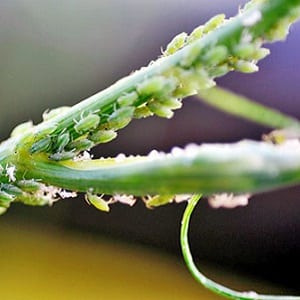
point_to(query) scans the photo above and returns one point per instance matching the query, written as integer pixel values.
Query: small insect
(213, 23)
(176, 43)
(50, 114)
(62, 141)
(80, 145)
(160, 110)
(245, 66)
(87, 123)
(5, 199)
(120, 117)
(216, 55)
(65, 155)
(128, 99)
(29, 185)
(11, 189)
(43, 145)
(97, 201)
(156, 86)
(170, 102)
(103, 136)
(22, 128)
(142, 112)
(158, 200)
(196, 34)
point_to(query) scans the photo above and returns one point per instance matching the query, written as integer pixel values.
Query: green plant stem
(201, 278)
(228, 35)
(247, 109)
(246, 166)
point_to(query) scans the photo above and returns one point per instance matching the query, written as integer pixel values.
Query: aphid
(43, 145)
(128, 99)
(196, 34)
(11, 189)
(219, 71)
(87, 123)
(142, 112)
(120, 117)
(245, 66)
(22, 128)
(65, 155)
(5, 199)
(97, 201)
(62, 141)
(244, 50)
(216, 55)
(32, 199)
(103, 136)
(171, 102)
(156, 86)
(213, 23)
(176, 43)
(80, 145)
(190, 56)
(261, 53)
(49, 114)
(159, 200)
(29, 185)
(160, 110)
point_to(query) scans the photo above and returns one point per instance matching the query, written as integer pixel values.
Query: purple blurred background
(57, 53)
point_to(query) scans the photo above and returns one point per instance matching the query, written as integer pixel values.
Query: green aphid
(159, 200)
(11, 189)
(245, 66)
(50, 114)
(128, 99)
(160, 109)
(62, 141)
(171, 102)
(219, 71)
(87, 123)
(29, 185)
(142, 112)
(191, 56)
(31, 199)
(177, 42)
(120, 117)
(43, 145)
(80, 145)
(97, 201)
(216, 55)
(103, 136)
(65, 155)
(244, 51)
(196, 34)
(156, 86)
(22, 128)
(5, 199)
(213, 23)
(260, 53)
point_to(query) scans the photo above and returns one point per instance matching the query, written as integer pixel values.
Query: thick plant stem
(201, 278)
(246, 166)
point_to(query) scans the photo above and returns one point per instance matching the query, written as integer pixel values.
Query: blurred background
(55, 53)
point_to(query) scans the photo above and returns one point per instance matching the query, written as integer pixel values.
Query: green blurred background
(55, 53)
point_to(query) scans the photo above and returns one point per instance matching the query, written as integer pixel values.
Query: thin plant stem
(201, 278)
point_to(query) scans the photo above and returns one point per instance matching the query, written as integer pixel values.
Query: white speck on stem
(10, 170)
(120, 158)
(228, 200)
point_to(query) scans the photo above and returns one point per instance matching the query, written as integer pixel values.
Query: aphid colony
(159, 94)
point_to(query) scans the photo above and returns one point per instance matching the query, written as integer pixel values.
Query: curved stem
(201, 278)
